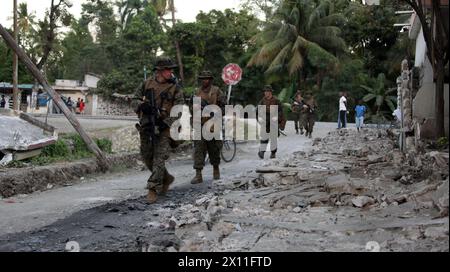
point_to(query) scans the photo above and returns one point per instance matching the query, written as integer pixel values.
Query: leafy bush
(58, 149)
(104, 144)
(15, 164)
(442, 143)
(80, 148)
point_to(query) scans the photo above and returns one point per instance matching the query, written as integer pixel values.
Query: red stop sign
(232, 74)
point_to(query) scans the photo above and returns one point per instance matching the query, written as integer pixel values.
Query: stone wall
(42, 178)
(125, 140)
(115, 106)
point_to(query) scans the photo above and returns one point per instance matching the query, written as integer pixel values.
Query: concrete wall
(91, 81)
(424, 101)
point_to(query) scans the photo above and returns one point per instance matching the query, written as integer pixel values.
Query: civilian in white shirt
(342, 121)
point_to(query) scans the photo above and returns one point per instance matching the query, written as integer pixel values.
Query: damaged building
(22, 136)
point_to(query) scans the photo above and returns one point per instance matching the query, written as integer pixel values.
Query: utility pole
(16, 93)
(177, 44)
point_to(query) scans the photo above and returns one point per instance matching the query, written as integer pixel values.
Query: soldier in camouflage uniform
(270, 100)
(296, 108)
(167, 93)
(210, 95)
(309, 112)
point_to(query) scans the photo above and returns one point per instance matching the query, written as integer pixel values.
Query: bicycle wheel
(228, 150)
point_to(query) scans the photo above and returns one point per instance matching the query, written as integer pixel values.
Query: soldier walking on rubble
(158, 94)
(210, 95)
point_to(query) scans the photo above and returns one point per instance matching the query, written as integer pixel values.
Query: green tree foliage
(322, 46)
(301, 32)
(380, 95)
(134, 48)
(216, 39)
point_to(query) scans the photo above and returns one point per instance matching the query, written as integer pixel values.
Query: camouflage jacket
(166, 96)
(273, 102)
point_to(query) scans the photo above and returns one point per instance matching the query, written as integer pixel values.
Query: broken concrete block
(270, 179)
(201, 201)
(224, 229)
(297, 209)
(437, 232)
(440, 158)
(441, 198)
(362, 201)
(372, 159)
(392, 173)
(339, 184)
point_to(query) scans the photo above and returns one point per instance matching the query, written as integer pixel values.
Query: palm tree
(380, 94)
(300, 30)
(128, 9)
(25, 20)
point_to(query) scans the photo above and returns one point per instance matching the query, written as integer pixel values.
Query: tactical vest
(210, 97)
(164, 94)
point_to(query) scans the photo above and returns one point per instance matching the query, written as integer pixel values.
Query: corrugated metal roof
(6, 85)
(18, 134)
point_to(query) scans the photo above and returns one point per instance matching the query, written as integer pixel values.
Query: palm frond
(319, 12)
(370, 90)
(369, 97)
(334, 19)
(296, 62)
(390, 104)
(279, 60)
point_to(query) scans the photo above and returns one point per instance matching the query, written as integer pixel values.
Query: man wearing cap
(166, 93)
(270, 100)
(210, 95)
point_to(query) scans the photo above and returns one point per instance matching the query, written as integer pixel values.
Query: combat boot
(168, 180)
(198, 177)
(152, 196)
(261, 155)
(216, 173)
(296, 132)
(273, 155)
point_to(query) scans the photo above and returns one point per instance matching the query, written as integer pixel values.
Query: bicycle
(228, 151)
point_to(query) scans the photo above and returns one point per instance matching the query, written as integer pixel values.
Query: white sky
(186, 9)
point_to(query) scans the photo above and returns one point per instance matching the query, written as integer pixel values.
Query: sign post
(231, 75)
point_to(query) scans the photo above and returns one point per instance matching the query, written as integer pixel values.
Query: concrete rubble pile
(350, 190)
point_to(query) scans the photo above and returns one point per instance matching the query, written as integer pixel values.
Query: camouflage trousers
(203, 147)
(309, 119)
(155, 158)
(270, 140)
(298, 121)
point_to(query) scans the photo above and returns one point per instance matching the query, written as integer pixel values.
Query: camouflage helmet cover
(162, 63)
(206, 75)
(268, 88)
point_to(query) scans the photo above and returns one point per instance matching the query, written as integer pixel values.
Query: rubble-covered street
(347, 191)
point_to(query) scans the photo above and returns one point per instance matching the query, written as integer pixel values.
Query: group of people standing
(360, 111)
(76, 107)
